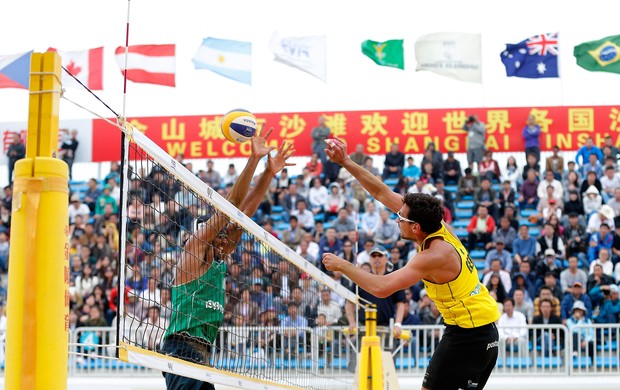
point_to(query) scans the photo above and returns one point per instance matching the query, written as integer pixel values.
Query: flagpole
(126, 56)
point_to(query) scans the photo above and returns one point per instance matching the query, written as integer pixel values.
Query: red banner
(200, 136)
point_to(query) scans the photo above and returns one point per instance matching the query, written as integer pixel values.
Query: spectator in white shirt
(364, 256)
(614, 202)
(329, 308)
(304, 216)
(512, 326)
(231, 175)
(317, 196)
(369, 221)
(152, 330)
(610, 182)
(78, 208)
(312, 247)
(604, 261)
(558, 189)
(496, 267)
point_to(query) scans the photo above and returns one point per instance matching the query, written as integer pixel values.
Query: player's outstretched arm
(259, 150)
(254, 198)
(380, 286)
(378, 189)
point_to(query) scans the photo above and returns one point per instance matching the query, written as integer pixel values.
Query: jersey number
(470, 264)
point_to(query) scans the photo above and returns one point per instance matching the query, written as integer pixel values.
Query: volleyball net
(206, 292)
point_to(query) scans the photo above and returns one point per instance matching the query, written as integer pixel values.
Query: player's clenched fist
(333, 262)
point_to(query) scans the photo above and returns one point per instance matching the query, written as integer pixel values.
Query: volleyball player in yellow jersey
(468, 349)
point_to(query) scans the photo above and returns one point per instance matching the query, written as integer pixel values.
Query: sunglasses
(403, 219)
(376, 255)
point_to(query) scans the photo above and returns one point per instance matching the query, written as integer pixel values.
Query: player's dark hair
(426, 210)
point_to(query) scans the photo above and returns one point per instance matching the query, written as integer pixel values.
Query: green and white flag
(599, 56)
(388, 53)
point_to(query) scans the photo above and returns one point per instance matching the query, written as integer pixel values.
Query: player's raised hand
(259, 142)
(336, 150)
(276, 163)
(333, 262)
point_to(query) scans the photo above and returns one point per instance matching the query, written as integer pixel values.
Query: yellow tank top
(465, 301)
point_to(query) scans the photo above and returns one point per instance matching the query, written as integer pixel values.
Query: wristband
(398, 324)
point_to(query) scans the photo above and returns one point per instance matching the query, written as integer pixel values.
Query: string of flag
(453, 55)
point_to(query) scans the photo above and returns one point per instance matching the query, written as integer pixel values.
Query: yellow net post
(37, 309)
(371, 366)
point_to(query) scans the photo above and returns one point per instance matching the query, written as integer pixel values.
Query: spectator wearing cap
(583, 336)
(104, 199)
(596, 281)
(549, 263)
(480, 228)
(467, 185)
(592, 200)
(505, 233)
(610, 308)
(524, 246)
(569, 300)
(391, 307)
(550, 239)
(520, 281)
(601, 239)
(572, 274)
(78, 208)
(451, 169)
(576, 238)
(499, 252)
(605, 215)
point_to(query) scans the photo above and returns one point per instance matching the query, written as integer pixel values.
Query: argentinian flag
(232, 59)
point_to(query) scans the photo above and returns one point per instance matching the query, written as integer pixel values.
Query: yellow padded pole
(37, 311)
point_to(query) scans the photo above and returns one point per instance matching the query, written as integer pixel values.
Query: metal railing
(281, 353)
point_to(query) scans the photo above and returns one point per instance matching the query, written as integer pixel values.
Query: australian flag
(533, 58)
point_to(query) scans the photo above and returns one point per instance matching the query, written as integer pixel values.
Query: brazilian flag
(388, 53)
(599, 56)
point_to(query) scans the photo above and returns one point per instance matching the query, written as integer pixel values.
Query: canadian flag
(85, 65)
(151, 64)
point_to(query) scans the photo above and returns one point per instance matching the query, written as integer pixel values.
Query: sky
(354, 82)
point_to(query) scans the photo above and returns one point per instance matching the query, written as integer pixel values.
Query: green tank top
(198, 306)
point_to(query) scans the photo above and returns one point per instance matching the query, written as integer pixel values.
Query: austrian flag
(85, 65)
(151, 64)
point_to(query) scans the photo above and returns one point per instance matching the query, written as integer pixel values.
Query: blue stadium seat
(467, 197)
(480, 264)
(515, 362)
(452, 188)
(285, 363)
(478, 254)
(423, 363)
(408, 362)
(461, 233)
(282, 226)
(534, 232)
(340, 363)
(277, 209)
(465, 204)
(606, 361)
(276, 217)
(582, 362)
(319, 217)
(460, 223)
(549, 362)
(608, 346)
(391, 181)
(527, 222)
(527, 212)
(464, 213)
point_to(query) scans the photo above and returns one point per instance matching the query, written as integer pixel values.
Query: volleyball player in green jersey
(198, 290)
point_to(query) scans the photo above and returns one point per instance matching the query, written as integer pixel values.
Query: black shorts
(463, 359)
(179, 347)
